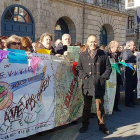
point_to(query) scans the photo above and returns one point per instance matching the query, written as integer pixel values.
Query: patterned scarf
(92, 53)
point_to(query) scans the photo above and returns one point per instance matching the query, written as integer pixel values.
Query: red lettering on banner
(7, 66)
(2, 75)
(74, 85)
(14, 113)
(10, 73)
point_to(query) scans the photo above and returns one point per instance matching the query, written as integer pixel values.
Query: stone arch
(70, 25)
(110, 32)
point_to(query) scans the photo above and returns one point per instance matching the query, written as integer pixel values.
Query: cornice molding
(93, 7)
(70, 2)
(106, 10)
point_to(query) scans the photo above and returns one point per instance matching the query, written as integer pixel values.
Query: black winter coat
(128, 56)
(94, 72)
(60, 49)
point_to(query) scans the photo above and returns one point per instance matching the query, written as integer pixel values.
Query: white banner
(31, 102)
(138, 75)
(27, 99)
(110, 92)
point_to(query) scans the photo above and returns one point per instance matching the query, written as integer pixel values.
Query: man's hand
(66, 53)
(135, 53)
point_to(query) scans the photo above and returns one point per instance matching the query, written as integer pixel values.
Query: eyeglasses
(15, 43)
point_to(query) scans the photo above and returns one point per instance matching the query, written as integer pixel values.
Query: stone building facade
(133, 26)
(79, 18)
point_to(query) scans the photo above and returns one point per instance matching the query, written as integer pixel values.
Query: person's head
(14, 42)
(29, 39)
(120, 48)
(92, 42)
(33, 45)
(78, 44)
(130, 45)
(46, 40)
(113, 46)
(3, 41)
(83, 48)
(25, 42)
(102, 47)
(66, 39)
(57, 42)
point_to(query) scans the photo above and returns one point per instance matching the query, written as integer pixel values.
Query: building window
(130, 3)
(17, 19)
(131, 22)
(61, 28)
(111, 3)
(17, 14)
(103, 36)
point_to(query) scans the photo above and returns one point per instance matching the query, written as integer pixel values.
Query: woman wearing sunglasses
(13, 42)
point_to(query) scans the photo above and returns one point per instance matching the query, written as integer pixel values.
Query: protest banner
(138, 75)
(73, 53)
(69, 101)
(27, 99)
(39, 96)
(110, 92)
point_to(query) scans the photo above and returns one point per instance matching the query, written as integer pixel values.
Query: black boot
(104, 130)
(117, 109)
(83, 129)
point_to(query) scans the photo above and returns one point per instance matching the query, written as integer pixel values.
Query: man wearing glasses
(94, 69)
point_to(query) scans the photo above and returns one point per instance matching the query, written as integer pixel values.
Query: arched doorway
(103, 36)
(17, 19)
(61, 28)
(65, 25)
(106, 34)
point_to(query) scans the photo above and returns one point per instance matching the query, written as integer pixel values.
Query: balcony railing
(109, 4)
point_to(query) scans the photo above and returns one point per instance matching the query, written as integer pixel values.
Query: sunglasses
(15, 43)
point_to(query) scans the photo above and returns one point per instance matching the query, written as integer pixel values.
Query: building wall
(82, 19)
(113, 22)
(130, 34)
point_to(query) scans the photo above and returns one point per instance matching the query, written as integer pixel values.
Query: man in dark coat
(116, 56)
(129, 57)
(94, 69)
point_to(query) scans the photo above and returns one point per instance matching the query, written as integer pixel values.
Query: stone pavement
(123, 125)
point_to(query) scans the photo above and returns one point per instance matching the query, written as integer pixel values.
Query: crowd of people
(93, 68)
(44, 42)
